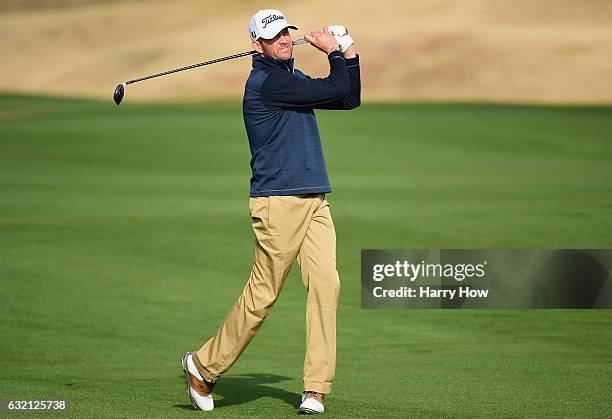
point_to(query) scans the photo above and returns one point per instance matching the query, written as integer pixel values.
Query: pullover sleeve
(353, 98)
(282, 88)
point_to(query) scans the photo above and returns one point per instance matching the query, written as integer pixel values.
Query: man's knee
(256, 311)
(259, 298)
(324, 280)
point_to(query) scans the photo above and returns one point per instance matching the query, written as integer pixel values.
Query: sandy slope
(539, 50)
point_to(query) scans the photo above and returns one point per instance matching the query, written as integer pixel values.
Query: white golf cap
(267, 24)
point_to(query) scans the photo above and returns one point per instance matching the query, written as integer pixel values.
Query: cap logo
(269, 19)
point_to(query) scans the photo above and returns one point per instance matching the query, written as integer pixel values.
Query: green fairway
(125, 238)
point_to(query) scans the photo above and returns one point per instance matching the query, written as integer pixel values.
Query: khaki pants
(286, 228)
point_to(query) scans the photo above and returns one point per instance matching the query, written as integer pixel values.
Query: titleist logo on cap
(267, 24)
(269, 19)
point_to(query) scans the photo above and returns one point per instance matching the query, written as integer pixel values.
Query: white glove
(342, 37)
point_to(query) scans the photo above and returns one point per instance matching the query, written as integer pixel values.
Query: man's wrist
(351, 52)
(335, 49)
(335, 53)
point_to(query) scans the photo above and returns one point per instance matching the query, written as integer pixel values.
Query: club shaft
(216, 60)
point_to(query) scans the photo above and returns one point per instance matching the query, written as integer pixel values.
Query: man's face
(278, 48)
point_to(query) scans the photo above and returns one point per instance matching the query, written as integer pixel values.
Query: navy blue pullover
(278, 110)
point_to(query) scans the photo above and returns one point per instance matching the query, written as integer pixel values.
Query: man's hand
(322, 40)
(342, 36)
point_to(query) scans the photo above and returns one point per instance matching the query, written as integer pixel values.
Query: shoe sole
(186, 372)
(305, 411)
(184, 362)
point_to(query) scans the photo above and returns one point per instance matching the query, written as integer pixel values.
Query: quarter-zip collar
(260, 61)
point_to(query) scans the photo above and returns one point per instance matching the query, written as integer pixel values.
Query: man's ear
(257, 47)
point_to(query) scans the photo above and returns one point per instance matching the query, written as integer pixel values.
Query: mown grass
(125, 238)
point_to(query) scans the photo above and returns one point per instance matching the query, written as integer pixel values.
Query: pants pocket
(259, 208)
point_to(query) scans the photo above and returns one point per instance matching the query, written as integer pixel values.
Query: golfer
(289, 211)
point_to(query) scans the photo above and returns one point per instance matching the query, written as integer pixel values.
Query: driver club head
(118, 95)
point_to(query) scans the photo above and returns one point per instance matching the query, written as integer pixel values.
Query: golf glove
(342, 37)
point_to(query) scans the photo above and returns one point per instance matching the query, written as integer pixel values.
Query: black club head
(118, 95)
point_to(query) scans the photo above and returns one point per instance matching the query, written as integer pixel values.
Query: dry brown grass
(539, 50)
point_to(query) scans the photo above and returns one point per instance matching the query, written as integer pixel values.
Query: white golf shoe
(312, 403)
(198, 389)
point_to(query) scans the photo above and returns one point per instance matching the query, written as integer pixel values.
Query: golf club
(120, 89)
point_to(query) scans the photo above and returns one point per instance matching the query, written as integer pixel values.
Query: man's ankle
(314, 395)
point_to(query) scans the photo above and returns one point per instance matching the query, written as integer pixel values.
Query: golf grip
(216, 60)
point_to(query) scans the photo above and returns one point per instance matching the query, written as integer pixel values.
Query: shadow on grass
(240, 389)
